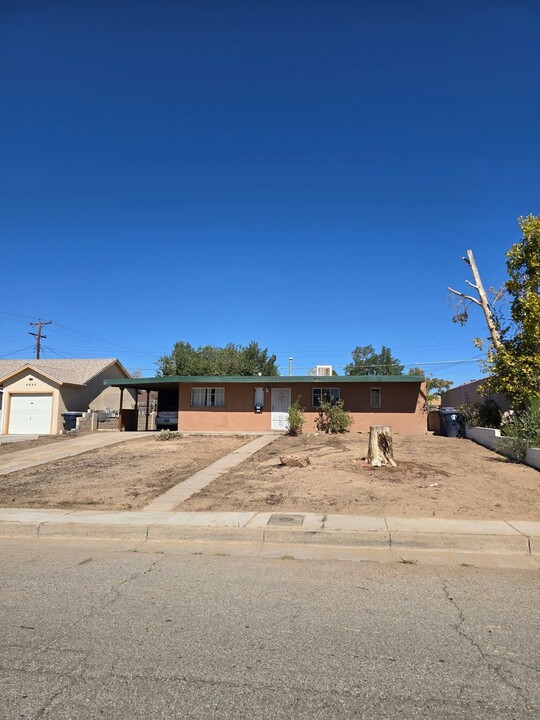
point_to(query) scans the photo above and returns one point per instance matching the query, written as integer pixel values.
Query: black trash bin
(70, 420)
(452, 423)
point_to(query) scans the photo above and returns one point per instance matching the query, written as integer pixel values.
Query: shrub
(333, 418)
(515, 447)
(296, 418)
(522, 431)
(167, 435)
(482, 414)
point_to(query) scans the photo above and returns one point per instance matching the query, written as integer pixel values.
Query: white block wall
(533, 458)
(488, 437)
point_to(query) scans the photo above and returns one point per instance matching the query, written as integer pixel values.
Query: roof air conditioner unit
(323, 370)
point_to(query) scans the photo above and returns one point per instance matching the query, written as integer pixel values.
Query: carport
(127, 418)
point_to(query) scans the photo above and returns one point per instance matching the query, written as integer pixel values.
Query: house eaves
(156, 382)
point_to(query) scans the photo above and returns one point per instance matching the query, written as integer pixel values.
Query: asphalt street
(105, 630)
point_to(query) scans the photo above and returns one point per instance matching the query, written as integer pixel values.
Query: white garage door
(30, 415)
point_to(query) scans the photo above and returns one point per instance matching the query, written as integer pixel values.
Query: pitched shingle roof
(70, 371)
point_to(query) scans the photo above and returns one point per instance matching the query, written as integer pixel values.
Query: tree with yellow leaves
(514, 367)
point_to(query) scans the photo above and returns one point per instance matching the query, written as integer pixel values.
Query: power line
(105, 342)
(23, 318)
(17, 351)
(50, 349)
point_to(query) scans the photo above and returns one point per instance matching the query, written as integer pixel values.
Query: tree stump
(380, 448)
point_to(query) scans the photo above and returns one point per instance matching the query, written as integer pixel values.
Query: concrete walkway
(8, 439)
(479, 543)
(185, 489)
(23, 459)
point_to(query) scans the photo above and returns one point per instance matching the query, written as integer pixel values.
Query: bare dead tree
(481, 300)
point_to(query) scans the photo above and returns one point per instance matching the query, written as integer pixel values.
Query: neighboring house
(37, 392)
(261, 404)
(467, 394)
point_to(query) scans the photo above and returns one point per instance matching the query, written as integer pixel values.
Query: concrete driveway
(56, 451)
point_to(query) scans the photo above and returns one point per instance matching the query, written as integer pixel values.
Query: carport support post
(136, 410)
(120, 410)
(147, 409)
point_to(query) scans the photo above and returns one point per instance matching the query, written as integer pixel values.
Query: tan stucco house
(260, 404)
(35, 393)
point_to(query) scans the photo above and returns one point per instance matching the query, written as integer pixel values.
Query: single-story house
(255, 403)
(35, 393)
(467, 394)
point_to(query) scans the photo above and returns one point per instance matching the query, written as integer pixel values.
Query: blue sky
(304, 174)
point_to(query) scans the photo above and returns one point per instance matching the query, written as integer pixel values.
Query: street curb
(364, 539)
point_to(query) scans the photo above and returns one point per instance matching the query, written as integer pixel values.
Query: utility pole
(290, 366)
(38, 335)
(482, 300)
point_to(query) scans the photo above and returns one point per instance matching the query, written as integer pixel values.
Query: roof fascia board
(35, 370)
(265, 380)
(115, 361)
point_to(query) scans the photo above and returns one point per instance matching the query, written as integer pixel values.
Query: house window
(375, 398)
(330, 395)
(207, 397)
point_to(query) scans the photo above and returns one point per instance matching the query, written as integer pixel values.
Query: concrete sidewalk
(489, 543)
(22, 459)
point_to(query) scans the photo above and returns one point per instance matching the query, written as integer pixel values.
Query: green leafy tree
(435, 386)
(368, 362)
(211, 360)
(514, 367)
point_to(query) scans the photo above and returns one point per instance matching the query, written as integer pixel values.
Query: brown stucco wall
(403, 407)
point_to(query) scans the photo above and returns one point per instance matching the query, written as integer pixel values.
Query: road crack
(112, 596)
(496, 668)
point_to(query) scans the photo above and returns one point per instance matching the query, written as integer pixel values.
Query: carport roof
(156, 383)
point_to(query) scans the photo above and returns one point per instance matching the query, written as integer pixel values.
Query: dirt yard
(436, 477)
(119, 477)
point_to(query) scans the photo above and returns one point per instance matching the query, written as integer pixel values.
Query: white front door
(281, 401)
(30, 414)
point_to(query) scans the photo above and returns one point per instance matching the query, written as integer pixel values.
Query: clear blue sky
(305, 174)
